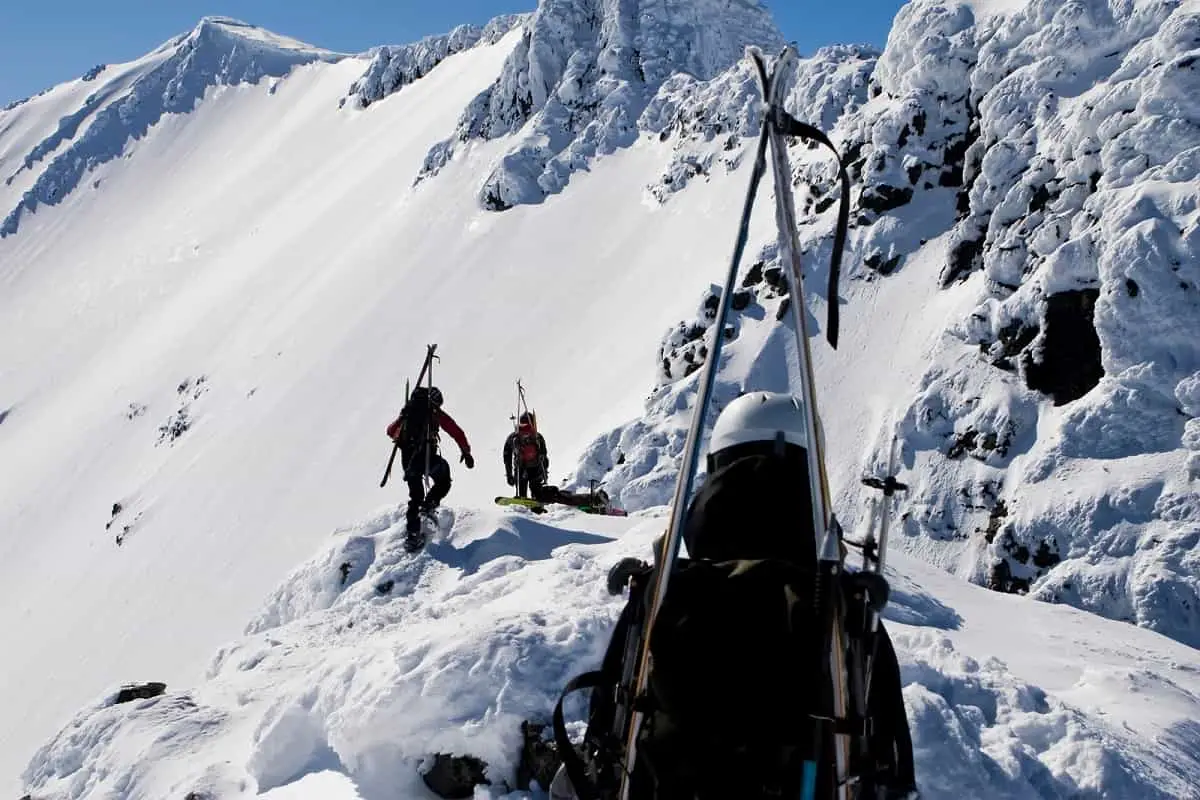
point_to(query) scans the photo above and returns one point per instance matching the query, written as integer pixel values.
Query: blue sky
(46, 42)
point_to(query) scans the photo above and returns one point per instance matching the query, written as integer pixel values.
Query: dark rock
(1037, 202)
(962, 444)
(1014, 337)
(139, 691)
(883, 198)
(775, 278)
(344, 569)
(914, 173)
(1001, 579)
(711, 303)
(1131, 287)
(740, 300)
(962, 202)
(950, 177)
(995, 520)
(754, 274)
(385, 586)
(884, 266)
(1044, 558)
(1066, 362)
(823, 205)
(783, 308)
(919, 123)
(455, 777)
(965, 258)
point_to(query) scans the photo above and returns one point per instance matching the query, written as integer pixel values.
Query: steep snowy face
(1037, 165)
(394, 67)
(129, 99)
(1072, 421)
(578, 82)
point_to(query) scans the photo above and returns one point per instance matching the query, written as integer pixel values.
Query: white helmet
(760, 417)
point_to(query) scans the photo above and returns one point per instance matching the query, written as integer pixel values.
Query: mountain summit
(124, 101)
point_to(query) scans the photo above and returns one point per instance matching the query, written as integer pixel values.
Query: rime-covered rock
(577, 84)
(393, 67)
(1051, 148)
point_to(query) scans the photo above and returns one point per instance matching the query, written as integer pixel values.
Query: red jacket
(445, 422)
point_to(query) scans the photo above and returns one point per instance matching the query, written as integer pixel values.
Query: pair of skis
(426, 374)
(849, 683)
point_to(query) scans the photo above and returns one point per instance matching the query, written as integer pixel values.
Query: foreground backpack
(734, 691)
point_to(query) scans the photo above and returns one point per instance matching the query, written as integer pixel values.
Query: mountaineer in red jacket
(416, 431)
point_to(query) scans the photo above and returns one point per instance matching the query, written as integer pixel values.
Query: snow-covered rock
(354, 681)
(219, 51)
(576, 86)
(1051, 151)
(393, 67)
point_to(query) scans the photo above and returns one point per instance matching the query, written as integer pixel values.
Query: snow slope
(367, 661)
(203, 336)
(1021, 299)
(213, 332)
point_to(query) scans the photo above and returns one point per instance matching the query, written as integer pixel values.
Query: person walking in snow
(417, 432)
(526, 459)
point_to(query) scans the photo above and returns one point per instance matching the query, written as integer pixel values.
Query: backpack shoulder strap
(576, 771)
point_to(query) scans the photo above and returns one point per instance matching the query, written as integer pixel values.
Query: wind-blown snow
(368, 661)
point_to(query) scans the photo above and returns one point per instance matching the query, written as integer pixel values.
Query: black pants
(414, 476)
(531, 479)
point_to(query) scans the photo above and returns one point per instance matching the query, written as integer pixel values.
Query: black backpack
(736, 688)
(419, 423)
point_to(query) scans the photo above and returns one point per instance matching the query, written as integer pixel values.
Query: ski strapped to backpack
(844, 659)
(425, 374)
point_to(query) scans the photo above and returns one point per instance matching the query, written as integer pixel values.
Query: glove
(512, 481)
(469, 460)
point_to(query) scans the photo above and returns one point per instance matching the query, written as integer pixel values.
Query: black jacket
(511, 453)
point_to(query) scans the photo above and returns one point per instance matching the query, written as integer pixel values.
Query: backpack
(734, 698)
(419, 425)
(527, 450)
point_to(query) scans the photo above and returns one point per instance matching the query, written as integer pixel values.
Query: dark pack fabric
(736, 668)
(733, 684)
(420, 423)
(754, 507)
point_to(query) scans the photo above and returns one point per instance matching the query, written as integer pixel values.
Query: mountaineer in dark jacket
(526, 459)
(416, 431)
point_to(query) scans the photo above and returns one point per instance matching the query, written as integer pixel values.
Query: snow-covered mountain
(1034, 173)
(220, 262)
